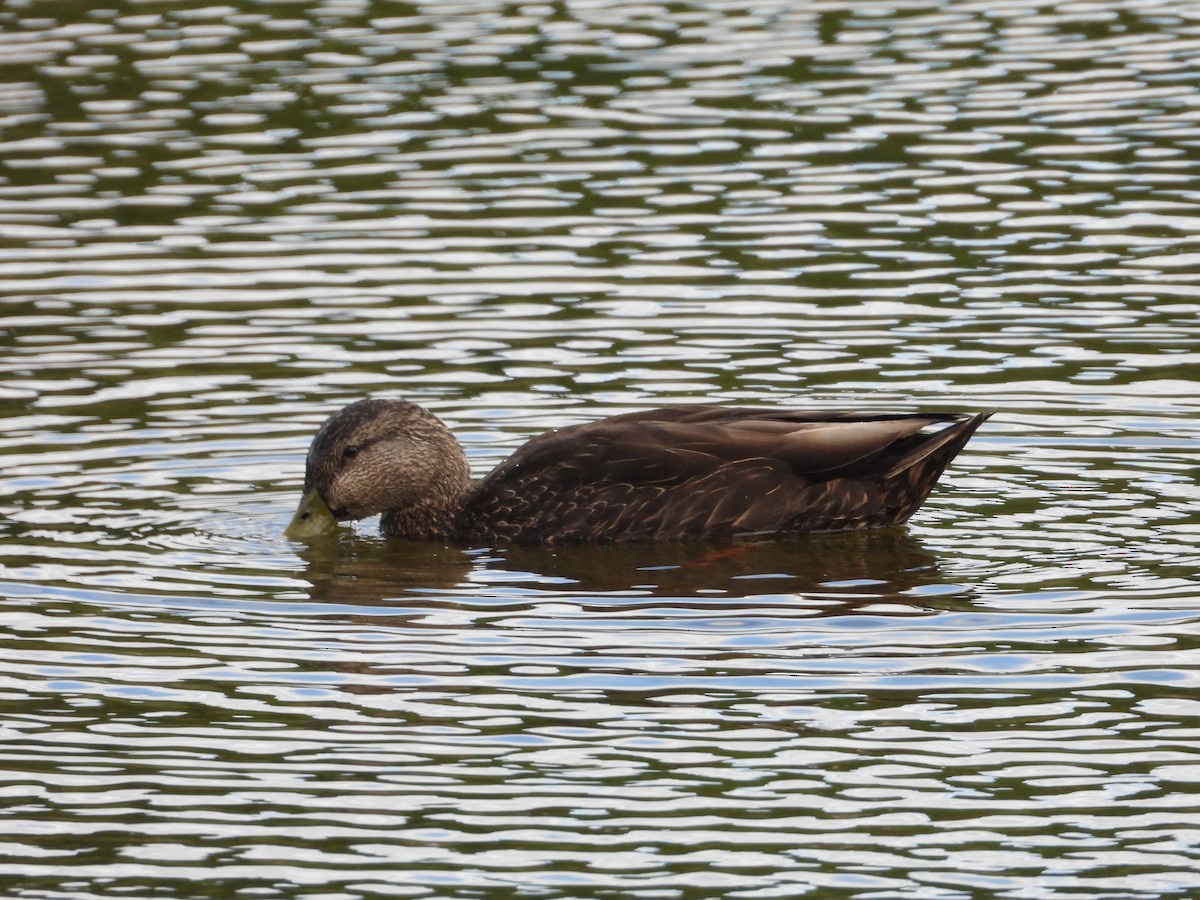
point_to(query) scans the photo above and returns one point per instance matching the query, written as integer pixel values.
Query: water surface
(220, 223)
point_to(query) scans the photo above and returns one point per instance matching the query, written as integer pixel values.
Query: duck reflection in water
(836, 574)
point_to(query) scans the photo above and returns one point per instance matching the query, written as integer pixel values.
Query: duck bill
(313, 517)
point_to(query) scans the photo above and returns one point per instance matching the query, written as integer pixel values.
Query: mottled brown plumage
(681, 473)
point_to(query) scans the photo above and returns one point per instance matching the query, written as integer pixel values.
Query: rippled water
(220, 223)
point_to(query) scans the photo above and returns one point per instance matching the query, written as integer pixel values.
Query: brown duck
(681, 473)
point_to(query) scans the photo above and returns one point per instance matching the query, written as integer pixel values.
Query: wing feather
(705, 472)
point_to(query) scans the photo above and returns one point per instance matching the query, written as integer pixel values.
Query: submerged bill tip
(313, 517)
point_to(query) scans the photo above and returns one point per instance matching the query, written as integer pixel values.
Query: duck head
(378, 456)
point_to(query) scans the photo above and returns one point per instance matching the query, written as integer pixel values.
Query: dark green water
(219, 223)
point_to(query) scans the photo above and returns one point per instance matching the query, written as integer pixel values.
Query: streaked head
(375, 456)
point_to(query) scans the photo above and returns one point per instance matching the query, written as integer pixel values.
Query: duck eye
(350, 452)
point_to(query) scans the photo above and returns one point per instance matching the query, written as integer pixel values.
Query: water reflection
(837, 573)
(219, 223)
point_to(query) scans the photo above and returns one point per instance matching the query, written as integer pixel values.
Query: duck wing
(715, 472)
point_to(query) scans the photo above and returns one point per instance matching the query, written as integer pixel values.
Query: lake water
(219, 223)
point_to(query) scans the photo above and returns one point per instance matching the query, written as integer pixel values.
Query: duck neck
(435, 517)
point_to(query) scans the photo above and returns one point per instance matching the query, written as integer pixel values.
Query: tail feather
(910, 481)
(944, 445)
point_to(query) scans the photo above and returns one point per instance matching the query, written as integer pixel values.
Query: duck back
(701, 472)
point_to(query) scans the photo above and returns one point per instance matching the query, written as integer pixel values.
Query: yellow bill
(313, 517)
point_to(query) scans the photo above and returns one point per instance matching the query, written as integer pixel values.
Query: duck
(680, 473)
